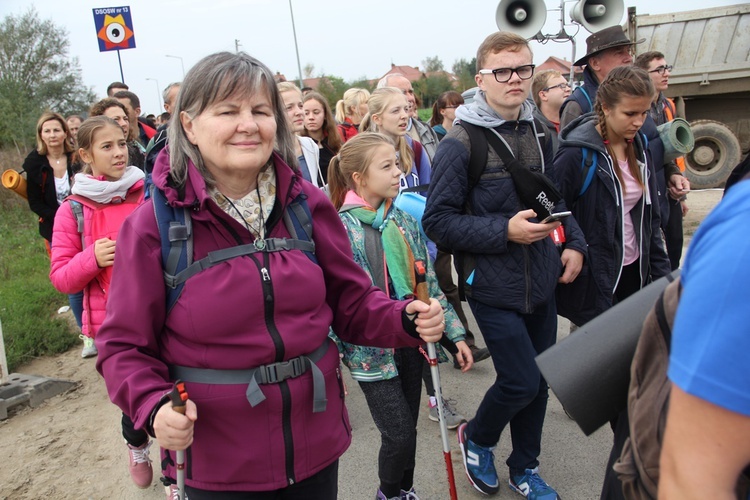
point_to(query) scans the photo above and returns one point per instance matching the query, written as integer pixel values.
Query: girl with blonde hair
(388, 113)
(386, 242)
(350, 110)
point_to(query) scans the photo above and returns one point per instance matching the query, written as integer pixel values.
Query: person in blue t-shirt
(707, 438)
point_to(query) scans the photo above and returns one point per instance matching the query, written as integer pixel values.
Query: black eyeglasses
(503, 75)
(662, 69)
(561, 86)
(450, 107)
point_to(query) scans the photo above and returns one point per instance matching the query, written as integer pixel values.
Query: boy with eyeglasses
(506, 261)
(549, 89)
(672, 199)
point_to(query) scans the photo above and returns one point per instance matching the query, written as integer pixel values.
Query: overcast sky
(346, 38)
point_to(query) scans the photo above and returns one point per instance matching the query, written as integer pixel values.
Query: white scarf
(102, 191)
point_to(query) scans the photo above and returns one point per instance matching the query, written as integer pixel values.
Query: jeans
(519, 394)
(76, 305)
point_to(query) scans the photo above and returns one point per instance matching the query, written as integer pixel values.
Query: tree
(465, 71)
(308, 70)
(36, 73)
(332, 88)
(432, 64)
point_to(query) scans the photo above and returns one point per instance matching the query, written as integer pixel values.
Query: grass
(28, 301)
(425, 114)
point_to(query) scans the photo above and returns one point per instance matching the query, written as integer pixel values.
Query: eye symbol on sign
(115, 33)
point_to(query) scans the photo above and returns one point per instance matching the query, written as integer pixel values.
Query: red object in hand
(558, 236)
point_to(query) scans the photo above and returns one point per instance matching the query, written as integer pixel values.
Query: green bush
(28, 301)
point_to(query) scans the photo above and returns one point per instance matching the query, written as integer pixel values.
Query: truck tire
(717, 151)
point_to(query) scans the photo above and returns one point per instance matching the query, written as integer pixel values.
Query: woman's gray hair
(214, 79)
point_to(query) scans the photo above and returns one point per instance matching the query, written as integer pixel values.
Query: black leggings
(321, 486)
(394, 406)
(134, 437)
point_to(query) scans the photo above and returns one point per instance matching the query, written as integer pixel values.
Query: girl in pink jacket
(83, 252)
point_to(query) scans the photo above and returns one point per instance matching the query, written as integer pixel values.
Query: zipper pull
(266, 276)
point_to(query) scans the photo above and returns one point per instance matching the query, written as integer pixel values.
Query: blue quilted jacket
(474, 224)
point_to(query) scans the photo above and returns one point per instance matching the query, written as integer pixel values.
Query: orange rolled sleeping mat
(14, 181)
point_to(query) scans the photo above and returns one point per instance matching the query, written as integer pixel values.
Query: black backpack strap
(477, 153)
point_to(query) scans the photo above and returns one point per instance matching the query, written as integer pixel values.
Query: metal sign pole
(119, 61)
(3, 360)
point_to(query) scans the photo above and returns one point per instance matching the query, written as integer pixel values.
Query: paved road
(571, 462)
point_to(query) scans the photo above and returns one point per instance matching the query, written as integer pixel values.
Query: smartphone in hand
(556, 217)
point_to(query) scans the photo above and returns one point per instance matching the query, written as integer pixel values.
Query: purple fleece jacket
(224, 320)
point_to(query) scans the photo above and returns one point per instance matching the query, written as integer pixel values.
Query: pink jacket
(74, 268)
(240, 314)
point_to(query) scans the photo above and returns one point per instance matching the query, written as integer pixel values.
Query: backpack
(106, 220)
(589, 160)
(479, 149)
(176, 234)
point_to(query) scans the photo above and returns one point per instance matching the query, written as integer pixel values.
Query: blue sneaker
(479, 463)
(532, 486)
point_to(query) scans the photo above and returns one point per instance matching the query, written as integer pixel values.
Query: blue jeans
(519, 394)
(76, 305)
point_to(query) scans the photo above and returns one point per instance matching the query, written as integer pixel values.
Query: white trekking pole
(179, 397)
(424, 295)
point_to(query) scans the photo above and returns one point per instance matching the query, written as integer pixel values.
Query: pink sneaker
(140, 465)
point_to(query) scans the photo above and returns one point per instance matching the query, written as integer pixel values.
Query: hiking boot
(532, 486)
(140, 465)
(409, 495)
(479, 463)
(477, 353)
(89, 349)
(452, 418)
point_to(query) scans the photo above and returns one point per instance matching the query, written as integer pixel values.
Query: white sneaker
(89, 349)
(452, 418)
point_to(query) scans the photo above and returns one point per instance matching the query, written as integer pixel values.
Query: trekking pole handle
(179, 397)
(420, 274)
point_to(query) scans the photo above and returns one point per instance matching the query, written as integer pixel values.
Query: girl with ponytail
(386, 242)
(617, 209)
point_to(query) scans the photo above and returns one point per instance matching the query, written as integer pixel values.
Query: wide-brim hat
(614, 36)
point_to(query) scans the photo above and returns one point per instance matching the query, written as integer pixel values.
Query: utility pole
(296, 49)
(237, 45)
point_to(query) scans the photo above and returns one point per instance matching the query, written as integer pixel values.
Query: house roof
(410, 72)
(561, 65)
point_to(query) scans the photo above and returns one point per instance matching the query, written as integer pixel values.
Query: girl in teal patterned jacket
(363, 180)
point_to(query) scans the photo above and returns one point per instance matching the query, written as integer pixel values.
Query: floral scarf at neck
(398, 256)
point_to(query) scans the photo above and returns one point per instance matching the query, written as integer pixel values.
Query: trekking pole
(179, 396)
(424, 295)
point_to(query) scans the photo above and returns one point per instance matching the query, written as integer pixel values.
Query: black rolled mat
(589, 371)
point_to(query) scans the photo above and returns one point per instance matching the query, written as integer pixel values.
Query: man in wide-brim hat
(605, 50)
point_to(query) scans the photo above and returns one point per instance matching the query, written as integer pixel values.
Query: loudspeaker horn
(595, 15)
(677, 137)
(522, 17)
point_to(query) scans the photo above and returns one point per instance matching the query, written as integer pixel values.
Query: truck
(710, 82)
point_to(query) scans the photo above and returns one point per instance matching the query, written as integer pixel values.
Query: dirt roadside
(70, 447)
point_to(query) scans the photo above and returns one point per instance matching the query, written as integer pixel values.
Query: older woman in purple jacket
(230, 160)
